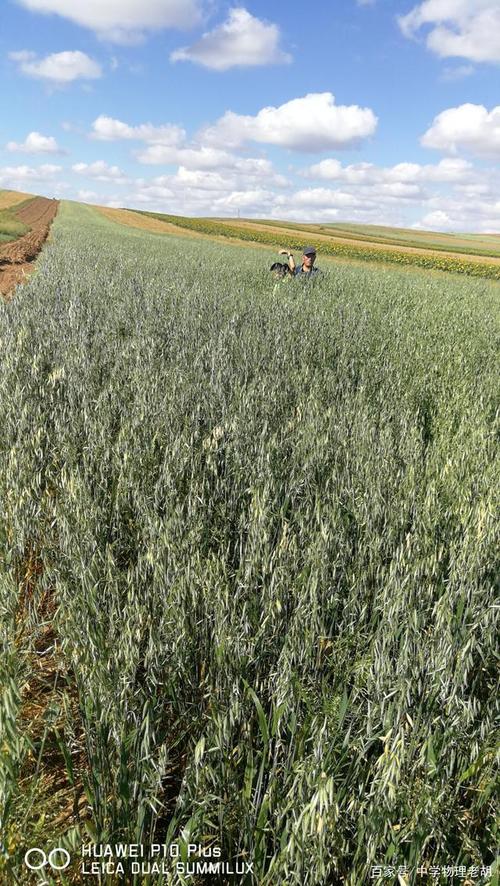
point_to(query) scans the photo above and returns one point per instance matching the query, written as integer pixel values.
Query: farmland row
(406, 238)
(255, 234)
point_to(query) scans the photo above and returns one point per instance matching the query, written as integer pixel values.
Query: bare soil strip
(16, 258)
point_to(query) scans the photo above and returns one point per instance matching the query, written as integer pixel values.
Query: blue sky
(381, 111)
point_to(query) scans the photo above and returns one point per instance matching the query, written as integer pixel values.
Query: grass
(249, 559)
(10, 227)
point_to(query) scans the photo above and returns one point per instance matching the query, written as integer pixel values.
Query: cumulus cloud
(313, 123)
(468, 197)
(193, 157)
(35, 143)
(468, 127)
(437, 221)
(123, 21)
(87, 196)
(18, 177)
(101, 171)
(238, 175)
(241, 41)
(467, 29)
(461, 211)
(109, 129)
(200, 158)
(447, 170)
(59, 68)
(167, 145)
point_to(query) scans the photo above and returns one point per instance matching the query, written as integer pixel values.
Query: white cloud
(447, 170)
(100, 171)
(437, 220)
(166, 145)
(241, 41)
(203, 159)
(464, 28)
(17, 177)
(477, 211)
(109, 129)
(313, 123)
(451, 75)
(468, 127)
(196, 188)
(35, 143)
(46, 170)
(22, 55)
(258, 200)
(87, 196)
(374, 194)
(322, 198)
(58, 68)
(198, 157)
(122, 21)
(468, 197)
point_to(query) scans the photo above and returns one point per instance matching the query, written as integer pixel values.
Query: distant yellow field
(143, 222)
(11, 198)
(157, 226)
(289, 233)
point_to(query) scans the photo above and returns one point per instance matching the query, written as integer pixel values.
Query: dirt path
(16, 258)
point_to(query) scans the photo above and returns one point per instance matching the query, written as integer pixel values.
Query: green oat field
(249, 561)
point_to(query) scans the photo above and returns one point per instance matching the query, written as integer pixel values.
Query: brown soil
(16, 258)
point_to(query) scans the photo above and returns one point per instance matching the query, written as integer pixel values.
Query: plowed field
(16, 257)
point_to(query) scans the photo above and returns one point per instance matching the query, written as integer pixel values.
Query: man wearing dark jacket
(306, 270)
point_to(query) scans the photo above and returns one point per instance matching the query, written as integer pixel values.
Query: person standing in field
(306, 270)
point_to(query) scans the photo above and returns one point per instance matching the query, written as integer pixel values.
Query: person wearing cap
(306, 269)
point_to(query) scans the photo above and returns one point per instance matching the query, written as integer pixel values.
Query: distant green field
(276, 234)
(10, 227)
